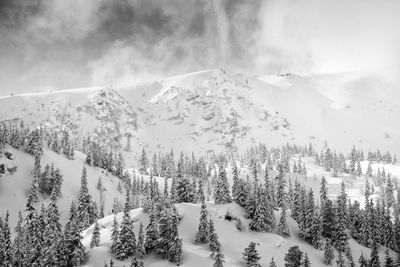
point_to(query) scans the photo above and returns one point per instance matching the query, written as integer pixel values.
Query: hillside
(233, 241)
(217, 110)
(14, 187)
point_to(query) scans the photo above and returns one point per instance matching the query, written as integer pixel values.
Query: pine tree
(57, 179)
(340, 260)
(250, 255)
(328, 253)
(388, 260)
(202, 234)
(323, 191)
(281, 195)
(140, 250)
(119, 166)
(362, 261)
(5, 243)
(390, 200)
(52, 237)
(200, 192)
(359, 170)
(297, 202)
(263, 218)
(18, 244)
(293, 257)
(174, 251)
(283, 228)
(34, 144)
(136, 262)
(306, 261)
(152, 235)
(114, 234)
(143, 163)
(33, 195)
(374, 258)
(214, 245)
(84, 203)
(369, 170)
(340, 235)
(74, 247)
(127, 240)
(95, 241)
(221, 191)
(236, 181)
(183, 189)
(219, 259)
(166, 194)
(328, 219)
(272, 263)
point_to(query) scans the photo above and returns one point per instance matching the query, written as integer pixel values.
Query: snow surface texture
(214, 110)
(13, 189)
(232, 240)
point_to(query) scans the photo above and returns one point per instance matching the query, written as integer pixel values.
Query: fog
(64, 44)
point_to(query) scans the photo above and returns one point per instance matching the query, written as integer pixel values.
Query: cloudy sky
(61, 44)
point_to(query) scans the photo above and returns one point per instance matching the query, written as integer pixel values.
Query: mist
(52, 45)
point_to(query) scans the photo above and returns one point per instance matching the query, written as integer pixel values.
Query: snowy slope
(14, 188)
(233, 241)
(216, 110)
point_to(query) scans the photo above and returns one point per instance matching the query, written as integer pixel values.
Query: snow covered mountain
(215, 110)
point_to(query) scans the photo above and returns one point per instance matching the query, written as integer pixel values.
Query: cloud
(67, 43)
(330, 36)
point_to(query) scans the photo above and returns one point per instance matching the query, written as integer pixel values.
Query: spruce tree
(152, 235)
(374, 258)
(388, 260)
(323, 191)
(214, 245)
(200, 192)
(219, 259)
(250, 255)
(221, 191)
(84, 203)
(280, 193)
(202, 234)
(263, 218)
(369, 170)
(340, 235)
(236, 181)
(293, 257)
(74, 247)
(175, 251)
(283, 228)
(362, 261)
(95, 241)
(306, 261)
(340, 262)
(114, 234)
(33, 195)
(5, 243)
(52, 240)
(143, 163)
(127, 239)
(18, 244)
(328, 253)
(272, 263)
(34, 144)
(57, 183)
(136, 262)
(140, 250)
